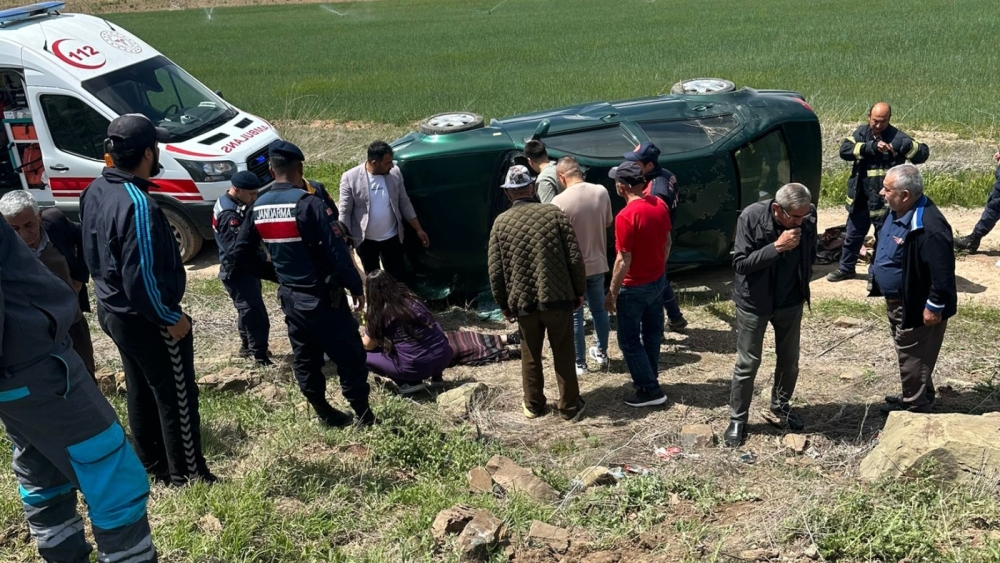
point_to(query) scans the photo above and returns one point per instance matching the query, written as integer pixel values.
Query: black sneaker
(334, 418)
(789, 417)
(646, 398)
(968, 243)
(514, 338)
(575, 415)
(841, 275)
(677, 325)
(893, 407)
(263, 362)
(898, 399)
(244, 352)
(367, 419)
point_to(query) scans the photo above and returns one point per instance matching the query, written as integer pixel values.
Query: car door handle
(59, 168)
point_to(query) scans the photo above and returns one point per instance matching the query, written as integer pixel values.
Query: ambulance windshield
(163, 92)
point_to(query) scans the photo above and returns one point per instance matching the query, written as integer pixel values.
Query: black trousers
(252, 322)
(315, 327)
(162, 396)
(390, 251)
(991, 213)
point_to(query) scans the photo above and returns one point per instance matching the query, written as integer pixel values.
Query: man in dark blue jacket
(139, 281)
(313, 266)
(914, 269)
(66, 436)
(244, 288)
(663, 184)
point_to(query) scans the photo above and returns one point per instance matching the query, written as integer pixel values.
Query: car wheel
(188, 239)
(702, 86)
(453, 122)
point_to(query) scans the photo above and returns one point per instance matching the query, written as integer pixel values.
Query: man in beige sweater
(538, 278)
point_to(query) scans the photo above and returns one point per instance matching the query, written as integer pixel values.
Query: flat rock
(480, 480)
(964, 446)
(513, 478)
(552, 536)
(697, 436)
(457, 402)
(759, 554)
(848, 322)
(452, 520)
(210, 524)
(594, 476)
(795, 442)
(483, 532)
(228, 379)
(812, 552)
(270, 392)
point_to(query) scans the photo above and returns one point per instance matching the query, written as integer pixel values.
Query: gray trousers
(67, 438)
(917, 349)
(750, 329)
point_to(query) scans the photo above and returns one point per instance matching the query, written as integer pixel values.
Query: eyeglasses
(796, 217)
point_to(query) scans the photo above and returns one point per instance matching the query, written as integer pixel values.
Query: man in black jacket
(873, 148)
(773, 257)
(139, 280)
(991, 214)
(914, 269)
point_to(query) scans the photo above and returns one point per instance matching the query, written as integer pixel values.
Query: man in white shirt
(373, 204)
(588, 208)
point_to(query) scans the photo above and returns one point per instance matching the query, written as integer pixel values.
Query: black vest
(274, 216)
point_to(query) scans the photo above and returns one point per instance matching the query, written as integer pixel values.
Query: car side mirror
(219, 94)
(541, 130)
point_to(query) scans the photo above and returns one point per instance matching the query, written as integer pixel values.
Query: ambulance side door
(71, 133)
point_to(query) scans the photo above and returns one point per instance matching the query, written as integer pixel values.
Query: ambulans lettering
(244, 137)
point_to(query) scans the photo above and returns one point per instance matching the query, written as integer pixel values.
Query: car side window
(763, 167)
(606, 142)
(684, 135)
(76, 128)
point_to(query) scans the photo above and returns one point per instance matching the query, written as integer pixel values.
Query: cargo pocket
(111, 478)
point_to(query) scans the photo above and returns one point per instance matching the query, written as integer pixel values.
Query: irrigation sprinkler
(208, 13)
(331, 10)
(490, 11)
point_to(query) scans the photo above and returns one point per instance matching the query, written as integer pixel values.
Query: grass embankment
(295, 492)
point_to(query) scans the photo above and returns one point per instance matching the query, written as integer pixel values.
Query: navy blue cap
(246, 180)
(285, 149)
(644, 152)
(627, 173)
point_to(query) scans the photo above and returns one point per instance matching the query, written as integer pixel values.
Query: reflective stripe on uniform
(913, 151)
(276, 222)
(51, 536)
(140, 552)
(876, 172)
(857, 150)
(40, 496)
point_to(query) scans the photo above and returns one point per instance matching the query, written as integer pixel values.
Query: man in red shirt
(642, 239)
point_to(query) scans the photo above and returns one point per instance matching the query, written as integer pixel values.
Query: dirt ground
(112, 6)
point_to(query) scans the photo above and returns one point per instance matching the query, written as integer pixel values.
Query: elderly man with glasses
(773, 257)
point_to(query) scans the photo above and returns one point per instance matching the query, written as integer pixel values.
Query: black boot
(735, 434)
(366, 417)
(841, 275)
(332, 417)
(968, 243)
(788, 416)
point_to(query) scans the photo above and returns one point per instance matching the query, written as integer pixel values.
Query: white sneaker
(581, 369)
(601, 358)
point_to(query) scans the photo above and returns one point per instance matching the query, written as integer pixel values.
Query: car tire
(188, 239)
(451, 122)
(705, 86)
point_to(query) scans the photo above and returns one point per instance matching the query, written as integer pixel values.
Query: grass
(385, 62)
(962, 188)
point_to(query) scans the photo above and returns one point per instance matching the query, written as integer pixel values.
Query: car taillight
(805, 105)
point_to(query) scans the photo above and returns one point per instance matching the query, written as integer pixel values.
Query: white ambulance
(64, 77)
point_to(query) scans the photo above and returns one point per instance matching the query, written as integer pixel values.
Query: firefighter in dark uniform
(139, 281)
(874, 149)
(989, 218)
(66, 436)
(227, 217)
(313, 266)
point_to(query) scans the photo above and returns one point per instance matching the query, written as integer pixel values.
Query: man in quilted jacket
(538, 278)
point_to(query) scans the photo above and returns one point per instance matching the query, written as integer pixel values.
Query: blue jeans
(602, 325)
(640, 331)
(670, 301)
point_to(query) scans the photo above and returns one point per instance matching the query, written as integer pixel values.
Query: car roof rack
(12, 15)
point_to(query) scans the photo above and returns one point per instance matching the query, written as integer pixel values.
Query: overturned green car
(729, 148)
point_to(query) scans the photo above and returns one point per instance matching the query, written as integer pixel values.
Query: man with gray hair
(914, 270)
(21, 211)
(773, 257)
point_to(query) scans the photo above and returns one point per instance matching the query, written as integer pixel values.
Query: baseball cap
(246, 180)
(627, 173)
(134, 131)
(518, 177)
(644, 152)
(286, 150)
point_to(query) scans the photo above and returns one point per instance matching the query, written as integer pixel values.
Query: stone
(552, 536)
(210, 524)
(848, 322)
(452, 520)
(594, 476)
(795, 442)
(697, 436)
(800, 461)
(270, 392)
(227, 379)
(457, 402)
(480, 480)
(964, 446)
(759, 554)
(513, 478)
(812, 552)
(483, 532)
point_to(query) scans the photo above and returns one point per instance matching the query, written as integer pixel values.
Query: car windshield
(163, 92)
